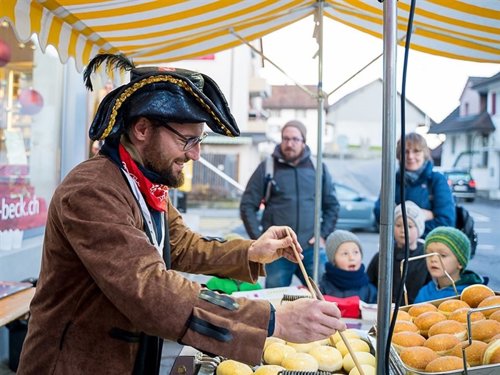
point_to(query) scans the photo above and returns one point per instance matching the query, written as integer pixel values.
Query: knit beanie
(298, 125)
(454, 239)
(336, 239)
(414, 213)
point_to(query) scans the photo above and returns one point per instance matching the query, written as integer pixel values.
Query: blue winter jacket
(431, 192)
(292, 199)
(431, 290)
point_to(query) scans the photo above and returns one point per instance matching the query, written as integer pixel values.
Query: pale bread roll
(272, 340)
(329, 358)
(348, 333)
(357, 345)
(303, 347)
(276, 352)
(364, 358)
(300, 362)
(367, 369)
(230, 367)
(269, 370)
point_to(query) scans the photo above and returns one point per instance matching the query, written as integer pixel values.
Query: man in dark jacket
(290, 200)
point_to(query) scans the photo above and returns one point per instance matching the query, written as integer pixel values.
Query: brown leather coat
(100, 273)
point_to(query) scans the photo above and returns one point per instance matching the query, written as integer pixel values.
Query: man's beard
(154, 162)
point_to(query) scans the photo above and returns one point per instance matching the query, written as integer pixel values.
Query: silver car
(356, 210)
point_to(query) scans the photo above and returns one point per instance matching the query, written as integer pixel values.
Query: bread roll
(276, 352)
(473, 352)
(271, 340)
(442, 343)
(492, 353)
(363, 358)
(405, 326)
(446, 363)
(484, 330)
(450, 305)
(417, 357)
(420, 308)
(403, 315)
(329, 358)
(300, 362)
(269, 370)
(303, 347)
(403, 340)
(475, 294)
(449, 326)
(490, 301)
(367, 370)
(495, 316)
(460, 315)
(348, 333)
(357, 345)
(427, 319)
(230, 367)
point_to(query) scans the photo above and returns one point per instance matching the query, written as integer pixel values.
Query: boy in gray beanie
(417, 275)
(345, 272)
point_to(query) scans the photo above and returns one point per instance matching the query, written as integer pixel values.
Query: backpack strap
(269, 178)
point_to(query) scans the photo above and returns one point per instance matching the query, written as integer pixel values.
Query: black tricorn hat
(168, 94)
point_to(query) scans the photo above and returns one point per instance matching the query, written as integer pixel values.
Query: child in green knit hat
(453, 247)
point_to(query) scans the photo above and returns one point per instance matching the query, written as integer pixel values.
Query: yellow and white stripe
(153, 31)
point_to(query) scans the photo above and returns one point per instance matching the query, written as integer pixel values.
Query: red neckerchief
(156, 195)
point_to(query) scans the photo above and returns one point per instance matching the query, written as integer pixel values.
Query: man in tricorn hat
(108, 290)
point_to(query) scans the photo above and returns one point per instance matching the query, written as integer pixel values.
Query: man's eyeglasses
(190, 142)
(292, 140)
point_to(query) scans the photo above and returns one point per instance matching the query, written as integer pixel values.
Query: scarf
(346, 280)
(156, 195)
(412, 176)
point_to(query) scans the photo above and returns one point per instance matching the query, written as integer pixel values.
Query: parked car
(356, 210)
(462, 184)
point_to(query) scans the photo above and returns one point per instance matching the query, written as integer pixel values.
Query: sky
(434, 83)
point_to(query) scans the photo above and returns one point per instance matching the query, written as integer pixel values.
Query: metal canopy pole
(387, 194)
(319, 156)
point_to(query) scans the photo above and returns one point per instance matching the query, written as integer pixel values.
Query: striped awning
(153, 32)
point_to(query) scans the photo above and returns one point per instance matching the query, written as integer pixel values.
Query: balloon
(31, 101)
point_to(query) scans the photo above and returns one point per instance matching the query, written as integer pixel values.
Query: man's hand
(306, 320)
(273, 244)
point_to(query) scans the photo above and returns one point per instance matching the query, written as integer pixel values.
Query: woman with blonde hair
(425, 187)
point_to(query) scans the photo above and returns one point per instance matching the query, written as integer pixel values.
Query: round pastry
(474, 294)
(348, 333)
(492, 353)
(420, 308)
(269, 370)
(276, 352)
(450, 305)
(442, 343)
(417, 357)
(357, 345)
(271, 340)
(367, 370)
(403, 340)
(495, 316)
(490, 301)
(460, 315)
(300, 362)
(473, 352)
(405, 326)
(484, 330)
(403, 315)
(303, 347)
(329, 358)
(230, 367)
(427, 319)
(363, 358)
(449, 326)
(446, 363)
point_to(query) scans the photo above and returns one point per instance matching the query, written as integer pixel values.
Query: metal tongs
(315, 293)
(425, 256)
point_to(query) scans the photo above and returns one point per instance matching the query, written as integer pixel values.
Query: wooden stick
(316, 294)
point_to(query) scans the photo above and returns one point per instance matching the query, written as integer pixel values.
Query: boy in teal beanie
(454, 248)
